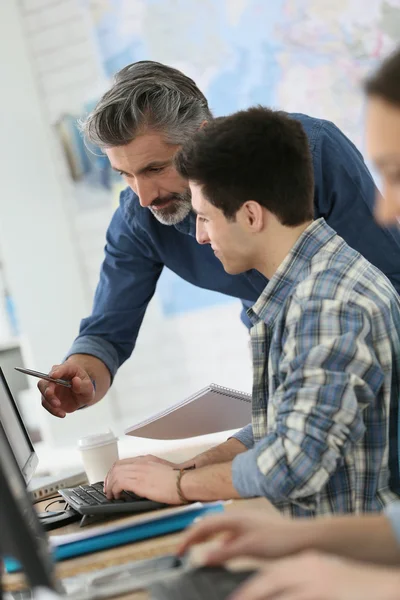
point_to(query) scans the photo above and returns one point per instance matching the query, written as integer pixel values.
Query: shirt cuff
(245, 436)
(246, 476)
(98, 347)
(392, 512)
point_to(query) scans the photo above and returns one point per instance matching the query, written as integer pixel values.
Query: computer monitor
(16, 431)
(21, 537)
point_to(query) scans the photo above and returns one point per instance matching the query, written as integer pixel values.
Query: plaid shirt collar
(269, 304)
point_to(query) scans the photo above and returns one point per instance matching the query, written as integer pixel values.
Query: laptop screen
(22, 537)
(16, 431)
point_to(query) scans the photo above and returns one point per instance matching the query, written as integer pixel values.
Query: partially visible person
(306, 552)
(369, 538)
(325, 335)
(320, 577)
(307, 570)
(383, 136)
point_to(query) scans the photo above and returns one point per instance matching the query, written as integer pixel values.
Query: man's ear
(254, 215)
(203, 124)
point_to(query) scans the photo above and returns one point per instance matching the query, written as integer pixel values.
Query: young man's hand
(152, 480)
(312, 576)
(158, 481)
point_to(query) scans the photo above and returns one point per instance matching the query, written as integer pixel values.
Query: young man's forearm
(367, 538)
(96, 370)
(223, 453)
(212, 482)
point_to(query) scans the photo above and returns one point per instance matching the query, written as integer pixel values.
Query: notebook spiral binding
(225, 391)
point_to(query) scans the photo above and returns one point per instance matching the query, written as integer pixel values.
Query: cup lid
(97, 439)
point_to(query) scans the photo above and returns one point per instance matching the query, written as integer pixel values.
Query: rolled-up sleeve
(98, 347)
(329, 373)
(392, 512)
(245, 436)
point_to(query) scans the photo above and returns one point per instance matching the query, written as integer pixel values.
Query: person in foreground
(143, 119)
(302, 571)
(325, 335)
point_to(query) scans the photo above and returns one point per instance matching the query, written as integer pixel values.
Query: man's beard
(178, 210)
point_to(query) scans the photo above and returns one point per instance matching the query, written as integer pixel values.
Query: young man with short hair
(325, 334)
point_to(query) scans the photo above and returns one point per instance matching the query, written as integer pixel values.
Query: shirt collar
(288, 274)
(188, 225)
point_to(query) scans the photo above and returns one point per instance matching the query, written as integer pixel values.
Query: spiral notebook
(212, 409)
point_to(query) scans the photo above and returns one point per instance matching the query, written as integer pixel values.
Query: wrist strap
(181, 495)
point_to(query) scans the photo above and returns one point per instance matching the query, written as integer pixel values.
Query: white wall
(174, 356)
(37, 235)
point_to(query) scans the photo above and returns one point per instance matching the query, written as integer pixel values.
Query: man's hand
(59, 400)
(139, 460)
(147, 458)
(312, 576)
(157, 481)
(152, 480)
(247, 533)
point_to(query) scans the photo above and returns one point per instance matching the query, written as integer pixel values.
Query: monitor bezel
(22, 537)
(31, 464)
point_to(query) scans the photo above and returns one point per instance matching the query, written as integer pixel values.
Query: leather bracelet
(181, 495)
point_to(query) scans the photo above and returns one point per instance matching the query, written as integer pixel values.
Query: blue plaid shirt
(326, 358)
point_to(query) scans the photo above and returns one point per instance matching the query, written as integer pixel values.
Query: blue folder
(131, 533)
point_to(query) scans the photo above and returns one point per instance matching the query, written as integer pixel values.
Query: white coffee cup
(99, 453)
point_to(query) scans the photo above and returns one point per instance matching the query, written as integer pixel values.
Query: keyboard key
(76, 499)
(98, 486)
(99, 497)
(93, 495)
(131, 496)
(79, 493)
(84, 498)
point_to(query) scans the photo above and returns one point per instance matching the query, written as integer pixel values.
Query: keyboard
(91, 500)
(213, 583)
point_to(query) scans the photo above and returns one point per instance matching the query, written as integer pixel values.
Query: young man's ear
(254, 215)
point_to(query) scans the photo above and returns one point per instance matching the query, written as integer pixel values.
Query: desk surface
(137, 551)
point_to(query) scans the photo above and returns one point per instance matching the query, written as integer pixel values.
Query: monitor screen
(22, 538)
(16, 431)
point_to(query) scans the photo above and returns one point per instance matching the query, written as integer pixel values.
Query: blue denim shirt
(138, 247)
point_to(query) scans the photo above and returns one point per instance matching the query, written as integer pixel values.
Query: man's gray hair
(147, 95)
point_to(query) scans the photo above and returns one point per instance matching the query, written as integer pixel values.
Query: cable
(43, 499)
(55, 502)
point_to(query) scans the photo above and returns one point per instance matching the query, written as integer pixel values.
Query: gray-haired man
(141, 122)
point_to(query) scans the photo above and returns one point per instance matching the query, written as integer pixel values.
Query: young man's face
(383, 143)
(147, 166)
(228, 239)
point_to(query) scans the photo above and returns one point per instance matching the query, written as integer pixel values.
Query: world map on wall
(298, 55)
